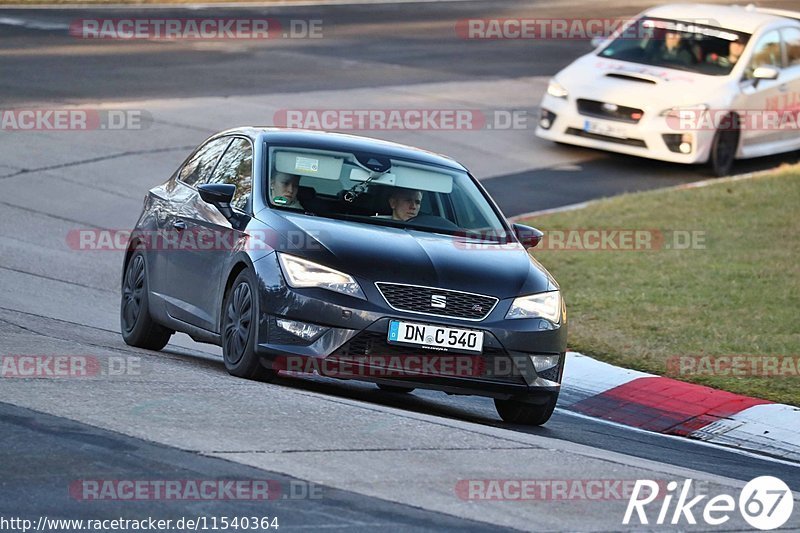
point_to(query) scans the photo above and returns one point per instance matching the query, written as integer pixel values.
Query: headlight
(695, 110)
(301, 273)
(542, 305)
(556, 89)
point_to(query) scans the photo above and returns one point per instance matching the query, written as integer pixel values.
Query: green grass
(739, 295)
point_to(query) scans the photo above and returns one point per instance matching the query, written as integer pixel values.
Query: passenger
(735, 49)
(284, 188)
(405, 203)
(672, 51)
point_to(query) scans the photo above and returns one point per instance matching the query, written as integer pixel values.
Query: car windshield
(680, 45)
(375, 189)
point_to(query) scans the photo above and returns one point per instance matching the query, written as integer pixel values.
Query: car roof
(343, 143)
(746, 19)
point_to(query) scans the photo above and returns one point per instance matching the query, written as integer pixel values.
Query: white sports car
(687, 83)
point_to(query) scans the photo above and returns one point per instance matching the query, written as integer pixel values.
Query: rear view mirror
(529, 237)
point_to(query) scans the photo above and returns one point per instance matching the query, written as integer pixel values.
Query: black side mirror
(529, 237)
(219, 195)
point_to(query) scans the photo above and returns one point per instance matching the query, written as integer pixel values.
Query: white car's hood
(645, 87)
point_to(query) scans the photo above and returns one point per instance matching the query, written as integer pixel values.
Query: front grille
(415, 299)
(621, 113)
(371, 348)
(630, 142)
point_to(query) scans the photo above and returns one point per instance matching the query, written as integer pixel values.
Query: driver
(405, 203)
(284, 188)
(671, 51)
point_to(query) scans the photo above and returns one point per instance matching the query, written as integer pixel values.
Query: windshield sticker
(306, 164)
(664, 74)
(686, 27)
(280, 200)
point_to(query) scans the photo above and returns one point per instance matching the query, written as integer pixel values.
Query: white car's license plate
(600, 128)
(441, 337)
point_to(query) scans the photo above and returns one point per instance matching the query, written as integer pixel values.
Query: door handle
(179, 225)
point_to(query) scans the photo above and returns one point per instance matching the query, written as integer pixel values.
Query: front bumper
(644, 139)
(353, 344)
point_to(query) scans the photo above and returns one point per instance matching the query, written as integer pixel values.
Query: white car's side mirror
(766, 73)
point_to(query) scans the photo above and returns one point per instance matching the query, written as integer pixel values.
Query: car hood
(646, 87)
(380, 253)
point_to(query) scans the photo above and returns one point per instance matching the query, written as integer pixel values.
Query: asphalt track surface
(181, 416)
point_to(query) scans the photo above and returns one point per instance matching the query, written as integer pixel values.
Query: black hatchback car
(300, 251)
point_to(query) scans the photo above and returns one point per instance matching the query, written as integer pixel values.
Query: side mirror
(766, 73)
(219, 195)
(528, 236)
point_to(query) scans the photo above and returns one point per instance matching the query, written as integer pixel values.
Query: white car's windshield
(379, 190)
(681, 45)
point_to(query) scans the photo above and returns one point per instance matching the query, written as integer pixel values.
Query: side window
(236, 168)
(767, 52)
(791, 38)
(198, 168)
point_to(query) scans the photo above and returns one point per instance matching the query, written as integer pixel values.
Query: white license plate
(441, 337)
(601, 128)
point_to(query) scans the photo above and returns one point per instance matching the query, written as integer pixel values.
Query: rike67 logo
(765, 503)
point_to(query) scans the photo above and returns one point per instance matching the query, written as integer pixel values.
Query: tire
(395, 388)
(238, 330)
(723, 148)
(530, 414)
(137, 326)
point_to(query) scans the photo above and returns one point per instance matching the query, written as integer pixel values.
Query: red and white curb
(673, 407)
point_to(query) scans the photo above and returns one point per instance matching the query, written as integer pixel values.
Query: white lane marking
(32, 24)
(772, 428)
(589, 377)
(682, 439)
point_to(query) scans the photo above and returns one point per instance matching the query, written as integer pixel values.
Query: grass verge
(734, 292)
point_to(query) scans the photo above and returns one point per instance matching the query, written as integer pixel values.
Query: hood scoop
(629, 77)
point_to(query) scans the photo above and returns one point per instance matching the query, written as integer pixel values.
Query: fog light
(544, 362)
(546, 119)
(300, 329)
(686, 143)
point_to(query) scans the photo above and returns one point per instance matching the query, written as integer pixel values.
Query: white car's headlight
(556, 89)
(301, 273)
(694, 110)
(542, 305)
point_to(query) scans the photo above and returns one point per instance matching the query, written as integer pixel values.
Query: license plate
(601, 128)
(436, 337)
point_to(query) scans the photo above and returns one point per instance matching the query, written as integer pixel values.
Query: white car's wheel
(724, 147)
